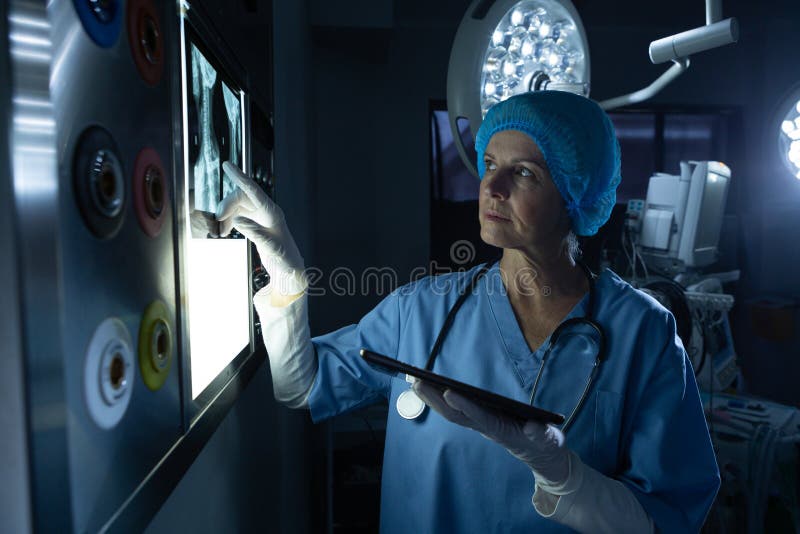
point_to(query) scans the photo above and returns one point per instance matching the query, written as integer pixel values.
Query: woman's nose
(496, 185)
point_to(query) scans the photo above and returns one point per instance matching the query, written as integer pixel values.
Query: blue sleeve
(671, 467)
(344, 380)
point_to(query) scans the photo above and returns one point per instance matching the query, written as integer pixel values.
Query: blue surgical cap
(578, 143)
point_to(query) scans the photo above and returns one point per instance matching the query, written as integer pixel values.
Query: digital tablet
(509, 407)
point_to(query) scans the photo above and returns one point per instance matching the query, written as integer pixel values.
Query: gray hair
(572, 247)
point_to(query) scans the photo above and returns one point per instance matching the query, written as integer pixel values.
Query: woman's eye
(490, 166)
(524, 171)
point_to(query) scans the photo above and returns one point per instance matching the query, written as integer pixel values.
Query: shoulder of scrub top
(627, 312)
(614, 293)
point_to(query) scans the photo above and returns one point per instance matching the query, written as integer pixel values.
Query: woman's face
(519, 205)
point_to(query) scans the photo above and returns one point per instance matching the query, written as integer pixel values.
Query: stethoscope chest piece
(409, 406)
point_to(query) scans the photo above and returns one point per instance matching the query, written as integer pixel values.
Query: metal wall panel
(35, 194)
(118, 276)
(96, 442)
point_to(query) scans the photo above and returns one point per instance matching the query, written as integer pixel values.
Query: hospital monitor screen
(683, 213)
(216, 268)
(705, 209)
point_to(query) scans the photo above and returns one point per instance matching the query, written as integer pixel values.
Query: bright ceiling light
(510, 47)
(789, 132)
(507, 47)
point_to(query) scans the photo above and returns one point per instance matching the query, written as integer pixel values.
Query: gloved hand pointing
(250, 210)
(540, 446)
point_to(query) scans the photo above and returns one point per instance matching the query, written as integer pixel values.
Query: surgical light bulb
(527, 48)
(492, 65)
(787, 127)
(544, 30)
(797, 106)
(517, 17)
(497, 37)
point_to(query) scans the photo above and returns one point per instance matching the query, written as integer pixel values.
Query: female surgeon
(634, 454)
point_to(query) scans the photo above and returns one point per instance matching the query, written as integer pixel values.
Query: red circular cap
(151, 198)
(146, 40)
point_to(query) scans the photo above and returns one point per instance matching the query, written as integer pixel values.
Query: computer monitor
(683, 214)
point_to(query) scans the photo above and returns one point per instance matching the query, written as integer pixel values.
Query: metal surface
(36, 201)
(62, 471)
(15, 509)
(135, 514)
(116, 277)
(694, 41)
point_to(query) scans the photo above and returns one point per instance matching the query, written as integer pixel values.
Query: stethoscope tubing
(587, 319)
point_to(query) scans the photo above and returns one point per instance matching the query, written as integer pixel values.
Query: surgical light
(512, 47)
(507, 47)
(789, 132)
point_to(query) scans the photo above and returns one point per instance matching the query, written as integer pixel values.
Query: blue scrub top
(641, 424)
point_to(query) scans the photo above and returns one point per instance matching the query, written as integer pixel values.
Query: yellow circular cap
(155, 345)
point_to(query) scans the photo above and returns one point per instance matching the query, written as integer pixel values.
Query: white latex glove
(539, 446)
(567, 491)
(250, 210)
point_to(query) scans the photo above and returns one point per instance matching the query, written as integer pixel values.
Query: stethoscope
(410, 406)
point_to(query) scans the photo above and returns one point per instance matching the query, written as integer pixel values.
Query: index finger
(244, 182)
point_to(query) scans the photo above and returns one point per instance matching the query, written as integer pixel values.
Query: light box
(216, 269)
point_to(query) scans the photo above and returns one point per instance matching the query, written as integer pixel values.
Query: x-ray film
(234, 110)
(215, 124)
(207, 166)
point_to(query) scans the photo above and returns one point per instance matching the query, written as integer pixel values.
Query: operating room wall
(372, 90)
(373, 84)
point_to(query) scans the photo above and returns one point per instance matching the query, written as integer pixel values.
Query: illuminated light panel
(533, 36)
(219, 320)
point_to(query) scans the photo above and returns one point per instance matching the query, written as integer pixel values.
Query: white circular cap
(108, 373)
(409, 406)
